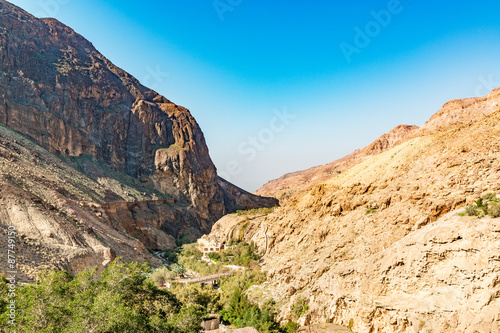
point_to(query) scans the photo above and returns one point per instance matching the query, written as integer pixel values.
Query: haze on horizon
(281, 87)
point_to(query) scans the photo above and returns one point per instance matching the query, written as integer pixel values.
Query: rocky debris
(381, 245)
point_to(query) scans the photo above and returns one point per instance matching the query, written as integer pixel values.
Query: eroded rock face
(59, 91)
(59, 217)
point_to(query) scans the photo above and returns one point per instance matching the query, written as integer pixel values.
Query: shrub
(489, 197)
(214, 256)
(298, 308)
(256, 211)
(120, 299)
(472, 210)
(161, 275)
(291, 327)
(171, 255)
(177, 269)
(494, 209)
(488, 204)
(241, 254)
(240, 312)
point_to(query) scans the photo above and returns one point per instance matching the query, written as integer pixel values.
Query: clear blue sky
(233, 63)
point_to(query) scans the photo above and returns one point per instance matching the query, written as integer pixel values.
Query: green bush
(240, 253)
(472, 210)
(298, 308)
(171, 255)
(160, 276)
(256, 211)
(494, 209)
(204, 298)
(488, 204)
(489, 197)
(120, 299)
(214, 256)
(177, 268)
(291, 327)
(240, 312)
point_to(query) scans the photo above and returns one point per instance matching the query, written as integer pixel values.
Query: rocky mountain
(453, 114)
(383, 246)
(136, 155)
(287, 185)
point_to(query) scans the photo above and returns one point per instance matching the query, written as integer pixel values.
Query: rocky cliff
(381, 245)
(130, 142)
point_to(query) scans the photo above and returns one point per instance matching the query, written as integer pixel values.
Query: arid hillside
(453, 114)
(381, 245)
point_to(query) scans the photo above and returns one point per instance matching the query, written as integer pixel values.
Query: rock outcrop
(60, 216)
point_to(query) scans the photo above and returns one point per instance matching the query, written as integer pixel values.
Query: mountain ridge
(454, 113)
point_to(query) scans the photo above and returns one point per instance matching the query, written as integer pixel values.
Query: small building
(208, 245)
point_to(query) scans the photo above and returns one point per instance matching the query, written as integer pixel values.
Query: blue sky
(285, 85)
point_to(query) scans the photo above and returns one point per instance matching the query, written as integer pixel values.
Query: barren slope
(453, 114)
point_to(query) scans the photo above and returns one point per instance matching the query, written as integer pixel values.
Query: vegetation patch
(256, 211)
(488, 204)
(299, 308)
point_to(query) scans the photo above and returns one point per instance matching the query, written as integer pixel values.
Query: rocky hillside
(144, 157)
(291, 183)
(453, 114)
(381, 246)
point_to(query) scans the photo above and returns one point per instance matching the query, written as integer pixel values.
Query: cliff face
(59, 91)
(60, 214)
(382, 245)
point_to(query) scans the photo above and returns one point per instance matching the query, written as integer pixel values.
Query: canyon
(95, 166)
